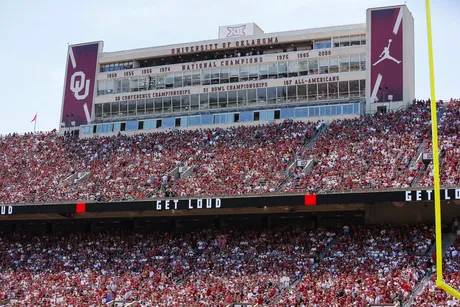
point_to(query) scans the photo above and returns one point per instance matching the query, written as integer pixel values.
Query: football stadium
(288, 169)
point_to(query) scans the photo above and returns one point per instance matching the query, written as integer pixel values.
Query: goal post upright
(437, 189)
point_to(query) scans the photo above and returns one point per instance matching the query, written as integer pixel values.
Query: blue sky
(34, 37)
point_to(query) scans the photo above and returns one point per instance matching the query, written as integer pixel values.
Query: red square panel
(81, 208)
(310, 200)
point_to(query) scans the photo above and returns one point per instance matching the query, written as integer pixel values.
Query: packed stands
(372, 152)
(202, 268)
(449, 145)
(377, 151)
(431, 294)
(373, 265)
(245, 160)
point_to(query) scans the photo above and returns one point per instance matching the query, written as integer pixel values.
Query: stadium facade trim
(198, 204)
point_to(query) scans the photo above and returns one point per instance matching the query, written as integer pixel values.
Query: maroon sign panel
(387, 54)
(79, 84)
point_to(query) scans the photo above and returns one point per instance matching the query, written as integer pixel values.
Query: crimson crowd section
(282, 266)
(380, 151)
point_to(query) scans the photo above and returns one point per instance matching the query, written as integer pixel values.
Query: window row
(226, 118)
(241, 73)
(117, 66)
(233, 99)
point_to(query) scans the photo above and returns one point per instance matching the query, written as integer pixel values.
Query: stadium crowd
(432, 296)
(371, 152)
(367, 266)
(202, 268)
(209, 267)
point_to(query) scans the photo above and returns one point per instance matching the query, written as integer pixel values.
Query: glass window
(252, 96)
(322, 44)
(224, 75)
(333, 65)
(222, 99)
(343, 90)
(149, 109)
(271, 95)
(336, 110)
(168, 122)
(234, 74)
(115, 108)
(362, 59)
(355, 40)
(314, 111)
(178, 79)
(109, 87)
(242, 98)
(160, 81)
(324, 66)
(363, 39)
(262, 95)
(348, 109)
(312, 92)
(176, 104)
(195, 102)
(194, 120)
(244, 73)
(246, 117)
(206, 119)
(116, 127)
(169, 81)
(187, 80)
(294, 68)
(292, 93)
(282, 70)
(215, 73)
(185, 102)
(167, 104)
(263, 68)
(213, 101)
(332, 90)
(313, 66)
(354, 89)
(356, 108)
(131, 125)
(132, 107)
(253, 72)
(232, 99)
(101, 87)
(354, 62)
(206, 80)
(281, 94)
(301, 92)
(117, 86)
(141, 107)
(362, 88)
(134, 84)
(336, 42)
(301, 112)
(125, 85)
(152, 83)
(158, 105)
(272, 71)
(344, 63)
(123, 108)
(263, 115)
(325, 111)
(322, 91)
(204, 103)
(345, 41)
(196, 78)
(98, 110)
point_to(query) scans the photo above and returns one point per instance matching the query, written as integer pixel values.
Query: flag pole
(35, 123)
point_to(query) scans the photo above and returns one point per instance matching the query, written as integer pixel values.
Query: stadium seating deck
(372, 152)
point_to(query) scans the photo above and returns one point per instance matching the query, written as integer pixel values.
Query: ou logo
(78, 83)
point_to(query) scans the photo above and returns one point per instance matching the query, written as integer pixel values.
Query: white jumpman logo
(386, 55)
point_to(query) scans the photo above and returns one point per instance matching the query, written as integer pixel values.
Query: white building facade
(243, 77)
